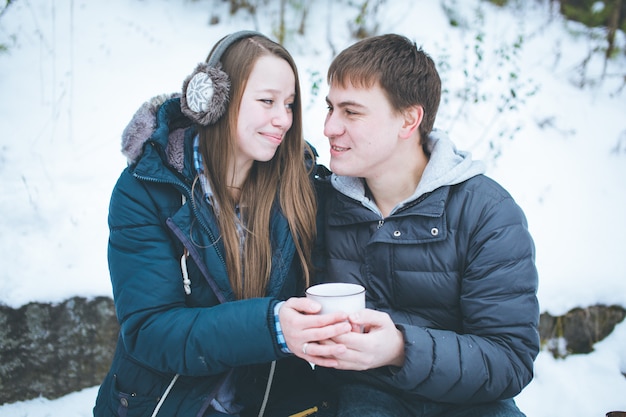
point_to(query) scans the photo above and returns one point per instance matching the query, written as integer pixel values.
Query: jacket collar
(346, 212)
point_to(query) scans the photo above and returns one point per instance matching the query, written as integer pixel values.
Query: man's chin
(337, 167)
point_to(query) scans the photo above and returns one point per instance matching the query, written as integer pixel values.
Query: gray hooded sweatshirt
(447, 166)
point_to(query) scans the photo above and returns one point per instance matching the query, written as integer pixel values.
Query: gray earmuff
(206, 91)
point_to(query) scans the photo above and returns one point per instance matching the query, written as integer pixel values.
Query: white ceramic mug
(338, 296)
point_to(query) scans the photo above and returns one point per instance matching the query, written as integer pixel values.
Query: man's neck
(393, 187)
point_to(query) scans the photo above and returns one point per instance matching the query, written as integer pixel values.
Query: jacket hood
(160, 119)
(447, 166)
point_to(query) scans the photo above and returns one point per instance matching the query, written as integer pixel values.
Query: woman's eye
(267, 101)
(289, 106)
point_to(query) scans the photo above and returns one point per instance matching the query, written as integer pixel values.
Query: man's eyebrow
(345, 103)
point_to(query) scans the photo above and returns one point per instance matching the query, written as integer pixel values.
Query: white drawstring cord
(267, 389)
(183, 268)
(165, 394)
(183, 262)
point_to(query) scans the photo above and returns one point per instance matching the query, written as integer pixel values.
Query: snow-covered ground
(75, 71)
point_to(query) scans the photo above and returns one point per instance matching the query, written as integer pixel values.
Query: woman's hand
(309, 335)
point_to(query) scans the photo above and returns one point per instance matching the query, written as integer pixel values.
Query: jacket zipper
(381, 222)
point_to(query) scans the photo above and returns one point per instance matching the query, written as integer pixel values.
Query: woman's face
(265, 112)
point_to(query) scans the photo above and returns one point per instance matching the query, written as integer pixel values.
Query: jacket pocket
(130, 404)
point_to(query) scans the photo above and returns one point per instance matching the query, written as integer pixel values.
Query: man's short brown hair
(405, 72)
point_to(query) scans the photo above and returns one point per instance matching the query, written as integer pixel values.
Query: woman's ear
(413, 117)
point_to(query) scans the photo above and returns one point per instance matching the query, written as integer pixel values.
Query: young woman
(212, 225)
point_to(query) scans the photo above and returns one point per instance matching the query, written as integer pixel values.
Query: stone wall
(577, 331)
(51, 350)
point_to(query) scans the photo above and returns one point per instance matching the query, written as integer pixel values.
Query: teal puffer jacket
(163, 330)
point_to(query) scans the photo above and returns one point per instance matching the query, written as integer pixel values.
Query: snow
(76, 71)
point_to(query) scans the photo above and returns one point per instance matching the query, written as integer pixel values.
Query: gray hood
(446, 166)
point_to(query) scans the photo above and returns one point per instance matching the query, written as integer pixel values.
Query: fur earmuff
(206, 91)
(205, 94)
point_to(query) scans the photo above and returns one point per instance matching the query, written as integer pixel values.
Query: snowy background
(75, 72)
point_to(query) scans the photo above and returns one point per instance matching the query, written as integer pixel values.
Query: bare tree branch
(3, 11)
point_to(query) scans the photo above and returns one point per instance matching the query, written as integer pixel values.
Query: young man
(443, 251)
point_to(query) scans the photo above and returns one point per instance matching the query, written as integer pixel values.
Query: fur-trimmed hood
(159, 119)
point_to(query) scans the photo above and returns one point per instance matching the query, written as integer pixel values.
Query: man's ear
(413, 117)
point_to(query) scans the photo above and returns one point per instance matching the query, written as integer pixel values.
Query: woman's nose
(282, 117)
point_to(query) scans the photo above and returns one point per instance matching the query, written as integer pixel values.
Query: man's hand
(380, 344)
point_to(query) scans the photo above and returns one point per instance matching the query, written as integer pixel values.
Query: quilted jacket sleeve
(492, 356)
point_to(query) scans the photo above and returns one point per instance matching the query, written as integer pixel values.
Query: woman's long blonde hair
(283, 180)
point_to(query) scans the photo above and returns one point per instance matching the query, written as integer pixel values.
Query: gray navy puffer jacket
(454, 266)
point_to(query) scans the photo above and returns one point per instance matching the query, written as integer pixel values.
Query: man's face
(362, 129)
